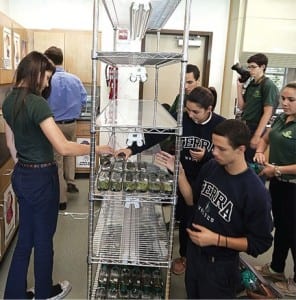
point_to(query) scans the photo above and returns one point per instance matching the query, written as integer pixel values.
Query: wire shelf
(138, 58)
(131, 235)
(126, 114)
(147, 197)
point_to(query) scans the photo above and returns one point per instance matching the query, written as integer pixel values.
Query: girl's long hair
(29, 78)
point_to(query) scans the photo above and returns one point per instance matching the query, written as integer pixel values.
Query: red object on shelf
(112, 81)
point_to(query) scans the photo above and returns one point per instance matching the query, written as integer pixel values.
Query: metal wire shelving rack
(130, 229)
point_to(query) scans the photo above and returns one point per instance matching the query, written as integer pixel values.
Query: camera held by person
(244, 73)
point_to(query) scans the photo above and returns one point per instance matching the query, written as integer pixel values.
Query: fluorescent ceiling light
(139, 15)
(119, 12)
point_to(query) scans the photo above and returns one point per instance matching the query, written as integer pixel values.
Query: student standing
(258, 101)
(198, 123)
(66, 100)
(231, 213)
(31, 135)
(191, 82)
(281, 169)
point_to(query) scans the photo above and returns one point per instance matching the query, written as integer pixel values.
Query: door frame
(207, 54)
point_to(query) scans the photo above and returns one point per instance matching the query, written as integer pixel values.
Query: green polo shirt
(282, 141)
(31, 144)
(258, 95)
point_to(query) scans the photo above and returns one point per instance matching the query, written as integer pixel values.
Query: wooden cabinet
(76, 46)
(9, 215)
(45, 38)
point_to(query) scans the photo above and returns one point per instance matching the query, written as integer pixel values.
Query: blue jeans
(37, 190)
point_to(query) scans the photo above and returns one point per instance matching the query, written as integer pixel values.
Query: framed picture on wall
(7, 59)
(24, 48)
(17, 49)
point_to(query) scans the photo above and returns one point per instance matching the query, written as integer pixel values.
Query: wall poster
(7, 63)
(24, 49)
(17, 49)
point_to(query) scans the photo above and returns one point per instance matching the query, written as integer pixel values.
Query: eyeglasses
(252, 67)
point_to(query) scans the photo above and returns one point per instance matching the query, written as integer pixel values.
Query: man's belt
(66, 121)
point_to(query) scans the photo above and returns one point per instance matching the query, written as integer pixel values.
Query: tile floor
(70, 261)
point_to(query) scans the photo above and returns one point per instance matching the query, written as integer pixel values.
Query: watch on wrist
(277, 171)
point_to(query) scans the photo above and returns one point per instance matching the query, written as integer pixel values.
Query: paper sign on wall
(7, 60)
(17, 49)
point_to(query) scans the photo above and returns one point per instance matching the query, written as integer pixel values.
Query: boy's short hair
(193, 69)
(236, 131)
(55, 54)
(259, 59)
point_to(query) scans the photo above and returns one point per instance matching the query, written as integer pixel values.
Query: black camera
(244, 73)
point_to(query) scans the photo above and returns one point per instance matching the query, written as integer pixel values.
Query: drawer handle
(8, 172)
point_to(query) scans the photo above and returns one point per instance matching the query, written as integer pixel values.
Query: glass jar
(103, 181)
(106, 161)
(118, 165)
(101, 292)
(130, 166)
(113, 290)
(142, 166)
(142, 182)
(123, 291)
(166, 183)
(129, 182)
(116, 181)
(154, 183)
(114, 274)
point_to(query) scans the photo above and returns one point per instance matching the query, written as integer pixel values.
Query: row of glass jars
(131, 181)
(124, 282)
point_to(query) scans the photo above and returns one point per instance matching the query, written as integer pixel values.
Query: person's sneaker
(72, 188)
(287, 287)
(179, 265)
(62, 206)
(59, 291)
(266, 271)
(30, 294)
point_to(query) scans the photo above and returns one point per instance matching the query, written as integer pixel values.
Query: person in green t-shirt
(257, 101)
(31, 134)
(191, 82)
(281, 170)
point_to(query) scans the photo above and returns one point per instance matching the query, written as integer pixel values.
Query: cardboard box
(8, 208)
(8, 218)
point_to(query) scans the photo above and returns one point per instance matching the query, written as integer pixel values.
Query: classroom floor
(70, 260)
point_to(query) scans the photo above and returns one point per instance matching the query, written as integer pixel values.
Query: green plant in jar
(166, 183)
(154, 183)
(129, 182)
(103, 181)
(142, 182)
(116, 181)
